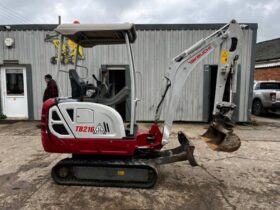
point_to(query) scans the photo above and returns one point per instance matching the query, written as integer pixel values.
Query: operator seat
(78, 87)
(120, 97)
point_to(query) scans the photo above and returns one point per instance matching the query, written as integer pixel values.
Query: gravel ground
(246, 179)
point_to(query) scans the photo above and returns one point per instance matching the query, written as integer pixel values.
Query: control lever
(97, 81)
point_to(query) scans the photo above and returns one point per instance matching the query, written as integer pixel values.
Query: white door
(14, 92)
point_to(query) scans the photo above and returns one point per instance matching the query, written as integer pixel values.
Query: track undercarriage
(136, 172)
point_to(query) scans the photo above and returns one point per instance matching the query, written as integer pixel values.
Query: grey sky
(264, 12)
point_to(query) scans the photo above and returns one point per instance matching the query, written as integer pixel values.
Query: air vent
(71, 114)
(59, 128)
(55, 116)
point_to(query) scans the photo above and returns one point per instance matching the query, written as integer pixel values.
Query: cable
(13, 13)
(13, 18)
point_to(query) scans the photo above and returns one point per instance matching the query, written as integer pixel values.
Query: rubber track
(130, 163)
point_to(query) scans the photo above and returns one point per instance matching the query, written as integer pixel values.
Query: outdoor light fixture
(9, 42)
(7, 27)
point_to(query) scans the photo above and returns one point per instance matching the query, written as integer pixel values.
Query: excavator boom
(227, 40)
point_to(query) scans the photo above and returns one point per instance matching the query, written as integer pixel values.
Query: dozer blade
(184, 152)
(219, 138)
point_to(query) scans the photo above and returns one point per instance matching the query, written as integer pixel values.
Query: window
(257, 86)
(14, 82)
(270, 86)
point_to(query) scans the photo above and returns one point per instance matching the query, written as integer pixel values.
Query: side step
(129, 172)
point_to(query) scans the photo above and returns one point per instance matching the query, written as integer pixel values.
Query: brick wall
(272, 73)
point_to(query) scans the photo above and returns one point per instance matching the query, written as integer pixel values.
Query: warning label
(224, 57)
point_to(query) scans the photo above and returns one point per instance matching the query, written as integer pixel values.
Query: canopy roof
(89, 35)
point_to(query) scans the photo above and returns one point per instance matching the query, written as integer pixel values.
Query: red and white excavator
(105, 151)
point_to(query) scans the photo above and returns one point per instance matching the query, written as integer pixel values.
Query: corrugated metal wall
(153, 51)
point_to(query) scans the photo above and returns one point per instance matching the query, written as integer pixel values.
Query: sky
(264, 12)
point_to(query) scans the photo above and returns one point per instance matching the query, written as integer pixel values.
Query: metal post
(134, 75)
(132, 88)
(76, 56)
(61, 38)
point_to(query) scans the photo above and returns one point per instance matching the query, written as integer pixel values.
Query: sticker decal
(101, 128)
(84, 129)
(224, 57)
(199, 55)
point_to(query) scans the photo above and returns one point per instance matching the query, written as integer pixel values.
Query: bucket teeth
(221, 139)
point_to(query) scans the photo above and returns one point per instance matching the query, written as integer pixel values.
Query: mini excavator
(105, 151)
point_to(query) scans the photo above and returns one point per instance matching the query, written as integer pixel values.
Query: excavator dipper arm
(227, 40)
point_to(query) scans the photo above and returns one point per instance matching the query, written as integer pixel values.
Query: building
(28, 52)
(268, 60)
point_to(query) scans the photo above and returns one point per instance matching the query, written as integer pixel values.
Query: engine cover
(84, 120)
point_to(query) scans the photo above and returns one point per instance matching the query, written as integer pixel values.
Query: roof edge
(28, 27)
(270, 40)
(199, 26)
(194, 26)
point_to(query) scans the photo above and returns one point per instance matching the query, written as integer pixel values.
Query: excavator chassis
(135, 172)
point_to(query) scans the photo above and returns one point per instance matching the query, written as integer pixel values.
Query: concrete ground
(246, 179)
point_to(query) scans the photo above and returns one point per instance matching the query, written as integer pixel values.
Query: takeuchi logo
(199, 55)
